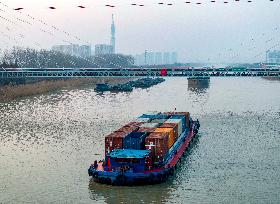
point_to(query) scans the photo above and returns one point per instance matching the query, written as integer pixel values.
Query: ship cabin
(128, 160)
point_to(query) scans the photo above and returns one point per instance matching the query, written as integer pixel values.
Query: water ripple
(47, 143)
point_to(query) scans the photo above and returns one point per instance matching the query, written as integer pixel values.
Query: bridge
(10, 73)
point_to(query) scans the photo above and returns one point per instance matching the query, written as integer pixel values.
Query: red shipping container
(128, 129)
(114, 141)
(171, 125)
(157, 142)
(134, 124)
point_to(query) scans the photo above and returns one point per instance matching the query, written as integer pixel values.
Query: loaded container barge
(145, 151)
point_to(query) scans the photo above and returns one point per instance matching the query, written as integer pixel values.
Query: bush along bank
(11, 91)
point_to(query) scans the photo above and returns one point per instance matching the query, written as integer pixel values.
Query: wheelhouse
(128, 160)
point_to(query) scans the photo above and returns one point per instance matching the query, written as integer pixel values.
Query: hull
(133, 179)
(148, 177)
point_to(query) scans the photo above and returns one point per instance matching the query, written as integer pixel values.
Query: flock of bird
(159, 3)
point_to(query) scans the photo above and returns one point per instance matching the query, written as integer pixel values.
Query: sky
(210, 32)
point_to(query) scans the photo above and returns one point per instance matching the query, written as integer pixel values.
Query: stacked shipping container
(148, 127)
(115, 139)
(157, 142)
(176, 115)
(154, 131)
(135, 140)
(174, 126)
(170, 131)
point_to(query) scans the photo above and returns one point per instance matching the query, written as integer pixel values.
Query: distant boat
(127, 87)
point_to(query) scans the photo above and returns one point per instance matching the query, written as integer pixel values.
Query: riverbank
(11, 92)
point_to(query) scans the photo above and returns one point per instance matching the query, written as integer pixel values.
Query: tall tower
(113, 32)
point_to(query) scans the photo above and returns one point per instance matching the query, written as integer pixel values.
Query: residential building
(103, 49)
(156, 58)
(74, 50)
(273, 56)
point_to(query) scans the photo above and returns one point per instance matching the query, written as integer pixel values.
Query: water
(47, 143)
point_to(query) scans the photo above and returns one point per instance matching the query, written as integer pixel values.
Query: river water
(47, 143)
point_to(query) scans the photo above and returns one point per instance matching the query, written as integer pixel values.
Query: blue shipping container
(135, 140)
(150, 115)
(147, 116)
(184, 123)
(154, 116)
(162, 116)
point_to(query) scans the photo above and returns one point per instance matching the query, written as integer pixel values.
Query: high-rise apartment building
(156, 58)
(73, 50)
(103, 49)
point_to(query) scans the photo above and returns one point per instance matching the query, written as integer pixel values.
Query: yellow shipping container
(178, 122)
(170, 132)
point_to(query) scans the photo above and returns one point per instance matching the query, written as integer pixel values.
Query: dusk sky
(210, 32)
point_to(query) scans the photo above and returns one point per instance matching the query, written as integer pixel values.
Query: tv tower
(113, 32)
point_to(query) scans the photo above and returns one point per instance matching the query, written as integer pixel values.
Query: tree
(30, 58)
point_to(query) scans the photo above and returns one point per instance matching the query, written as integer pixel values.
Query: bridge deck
(143, 72)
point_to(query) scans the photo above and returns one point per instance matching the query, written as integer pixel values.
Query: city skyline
(273, 56)
(74, 50)
(156, 58)
(101, 49)
(235, 33)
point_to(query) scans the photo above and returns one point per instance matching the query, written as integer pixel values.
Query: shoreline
(12, 92)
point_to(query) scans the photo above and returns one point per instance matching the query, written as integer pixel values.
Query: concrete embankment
(10, 92)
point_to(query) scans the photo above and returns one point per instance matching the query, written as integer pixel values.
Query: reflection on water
(198, 89)
(137, 194)
(200, 85)
(47, 143)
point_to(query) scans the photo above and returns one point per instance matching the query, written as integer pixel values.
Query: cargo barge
(145, 151)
